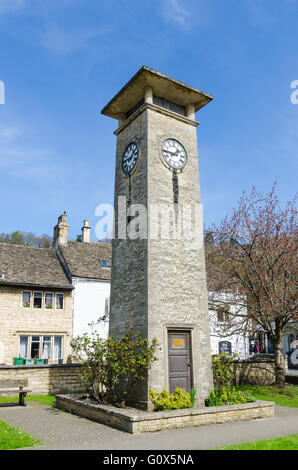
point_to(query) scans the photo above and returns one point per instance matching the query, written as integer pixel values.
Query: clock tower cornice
(148, 85)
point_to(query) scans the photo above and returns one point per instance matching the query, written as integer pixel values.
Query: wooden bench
(15, 386)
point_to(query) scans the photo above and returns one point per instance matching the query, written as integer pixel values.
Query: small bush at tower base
(171, 401)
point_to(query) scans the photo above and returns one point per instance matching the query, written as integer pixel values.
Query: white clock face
(174, 154)
(129, 158)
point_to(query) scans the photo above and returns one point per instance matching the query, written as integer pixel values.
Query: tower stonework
(158, 281)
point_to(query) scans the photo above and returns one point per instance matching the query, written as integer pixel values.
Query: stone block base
(136, 421)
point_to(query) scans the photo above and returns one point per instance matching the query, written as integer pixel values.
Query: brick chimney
(61, 231)
(86, 232)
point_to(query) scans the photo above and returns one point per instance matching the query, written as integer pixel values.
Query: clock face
(129, 158)
(174, 154)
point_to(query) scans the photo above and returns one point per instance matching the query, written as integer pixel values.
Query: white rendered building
(88, 266)
(225, 334)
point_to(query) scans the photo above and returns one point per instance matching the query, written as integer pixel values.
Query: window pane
(26, 299)
(107, 308)
(49, 301)
(35, 344)
(220, 316)
(24, 346)
(104, 263)
(58, 347)
(60, 301)
(46, 347)
(37, 300)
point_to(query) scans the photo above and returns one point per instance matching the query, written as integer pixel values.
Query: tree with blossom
(252, 254)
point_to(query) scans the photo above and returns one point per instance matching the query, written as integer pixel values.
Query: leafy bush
(222, 367)
(225, 396)
(223, 393)
(170, 401)
(112, 366)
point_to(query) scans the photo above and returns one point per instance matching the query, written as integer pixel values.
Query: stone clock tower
(158, 269)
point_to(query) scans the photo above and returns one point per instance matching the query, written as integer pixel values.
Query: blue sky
(62, 60)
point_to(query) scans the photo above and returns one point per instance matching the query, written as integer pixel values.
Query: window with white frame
(39, 346)
(40, 300)
(49, 301)
(23, 349)
(59, 301)
(35, 347)
(107, 309)
(223, 316)
(57, 347)
(26, 299)
(37, 300)
(46, 347)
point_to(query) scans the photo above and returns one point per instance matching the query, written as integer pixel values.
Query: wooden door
(180, 371)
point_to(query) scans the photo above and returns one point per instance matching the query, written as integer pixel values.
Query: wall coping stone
(38, 366)
(254, 361)
(134, 415)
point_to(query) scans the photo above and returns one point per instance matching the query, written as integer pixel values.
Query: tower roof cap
(163, 87)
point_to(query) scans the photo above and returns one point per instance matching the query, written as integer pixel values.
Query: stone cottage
(35, 305)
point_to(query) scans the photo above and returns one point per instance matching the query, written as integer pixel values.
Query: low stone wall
(136, 421)
(46, 379)
(254, 372)
(56, 378)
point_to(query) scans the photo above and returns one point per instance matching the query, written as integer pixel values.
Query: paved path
(64, 431)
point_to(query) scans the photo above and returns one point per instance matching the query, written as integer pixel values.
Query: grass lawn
(281, 443)
(49, 400)
(285, 396)
(12, 438)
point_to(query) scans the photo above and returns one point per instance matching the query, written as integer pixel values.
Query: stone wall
(45, 379)
(254, 373)
(52, 379)
(133, 421)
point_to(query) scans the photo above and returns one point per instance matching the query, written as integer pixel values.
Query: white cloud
(58, 39)
(8, 134)
(29, 163)
(174, 12)
(21, 160)
(63, 42)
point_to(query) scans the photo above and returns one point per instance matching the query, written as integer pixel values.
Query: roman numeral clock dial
(174, 154)
(130, 158)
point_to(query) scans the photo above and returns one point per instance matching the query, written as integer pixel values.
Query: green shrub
(223, 376)
(113, 366)
(226, 396)
(170, 401)
(222, 368)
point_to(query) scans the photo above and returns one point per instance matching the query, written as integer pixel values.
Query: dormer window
(104, 263)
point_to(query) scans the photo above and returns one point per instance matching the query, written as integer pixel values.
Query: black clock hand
(173, 154)
(127, 157)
